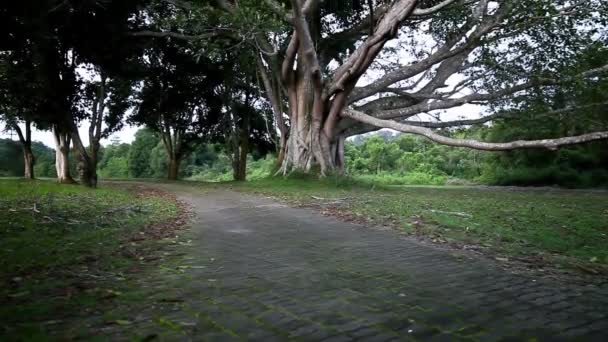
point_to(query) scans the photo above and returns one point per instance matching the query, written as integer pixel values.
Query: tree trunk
(282, 150)
(29, 161)
(338, 153)
(86, 171)
(62, 153)
(309, 146)
(26, 146)
(239, 163)
(173, 168)
(241, 149)
(93, 159)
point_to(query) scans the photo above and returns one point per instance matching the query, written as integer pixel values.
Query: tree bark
(308, 145)
(95, 126)
(173, 168)
(551, 144)
(86, 171)
(338, 153)
(62, 153)
(239, 162)
(29, 162)
(26, 146)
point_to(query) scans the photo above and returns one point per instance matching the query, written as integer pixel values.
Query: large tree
(335, 70)
(105, 100)
(61, 37)
(179, 100)
(20, 99)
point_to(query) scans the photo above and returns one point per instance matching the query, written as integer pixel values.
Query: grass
(58, 243)
(550, 227)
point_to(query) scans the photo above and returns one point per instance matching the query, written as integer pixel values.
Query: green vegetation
(11, 159)
(559, 228)
(380, 158)
(389, 159)
(60, 244)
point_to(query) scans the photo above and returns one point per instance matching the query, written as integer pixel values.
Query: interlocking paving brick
(284, 273)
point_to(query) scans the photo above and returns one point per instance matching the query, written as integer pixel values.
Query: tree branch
(278, 9)
(492, 117)
(551, 144)
(176, 35)
(428, 106)
(450, 48)
(358, 62)
(432, 9)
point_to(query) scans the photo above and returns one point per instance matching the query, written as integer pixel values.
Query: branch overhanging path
(470, 143)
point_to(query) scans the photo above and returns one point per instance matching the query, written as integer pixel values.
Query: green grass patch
(560, 227)
(59, 243)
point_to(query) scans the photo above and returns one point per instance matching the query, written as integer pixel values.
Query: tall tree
(61, 37)
(105, 99)
(19, 99)
(329, 66)
(179, 101)
(140, 152)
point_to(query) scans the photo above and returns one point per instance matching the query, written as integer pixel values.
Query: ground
(548, 230)
(252, 268)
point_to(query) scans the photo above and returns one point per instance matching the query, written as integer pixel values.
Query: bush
(410, 178)
(548, 176)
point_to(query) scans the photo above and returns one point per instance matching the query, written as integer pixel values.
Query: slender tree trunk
(241, 147)
(29, 160)
(338, 153)
(239, 163)
(173, 168)
(86, 171)
(62, 153)
(26, 146)
(93, 159)
(282, 150)
(95, 127)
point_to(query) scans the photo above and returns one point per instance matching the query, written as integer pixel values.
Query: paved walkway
(261, 271)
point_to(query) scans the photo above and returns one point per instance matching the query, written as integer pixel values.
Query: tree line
(383, 157)
(299, 77)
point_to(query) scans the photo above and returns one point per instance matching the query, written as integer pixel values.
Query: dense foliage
(11, 159)
(405, 159)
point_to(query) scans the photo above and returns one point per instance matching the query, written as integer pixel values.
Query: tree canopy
(325, 69)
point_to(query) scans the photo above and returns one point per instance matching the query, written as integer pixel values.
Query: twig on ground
(329, 199)
(455, 213)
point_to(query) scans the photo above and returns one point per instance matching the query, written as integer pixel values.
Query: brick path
(262, 271)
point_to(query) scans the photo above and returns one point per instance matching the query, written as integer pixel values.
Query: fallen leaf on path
(19, 294)
(109, 293)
